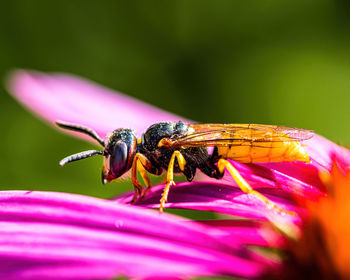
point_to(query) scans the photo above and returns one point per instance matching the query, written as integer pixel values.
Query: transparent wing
(236, 134)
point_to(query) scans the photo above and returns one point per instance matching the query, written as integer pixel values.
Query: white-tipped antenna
(80, 156)
(82, 129)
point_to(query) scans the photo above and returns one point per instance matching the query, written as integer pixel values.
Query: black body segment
(196, 157)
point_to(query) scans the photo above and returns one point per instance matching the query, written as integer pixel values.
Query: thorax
(160, 156)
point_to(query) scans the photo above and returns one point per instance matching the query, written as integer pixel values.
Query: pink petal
(295, 178)
(241, 230)
(322, 151)
(69, 98)
(219, 197)
(63, 236)
(72, 99)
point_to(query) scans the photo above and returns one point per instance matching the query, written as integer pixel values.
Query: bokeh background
(262, 61)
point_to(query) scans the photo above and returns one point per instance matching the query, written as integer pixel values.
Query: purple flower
(200, 246)
(47, 235)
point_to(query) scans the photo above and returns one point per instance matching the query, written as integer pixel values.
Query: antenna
(80, 156)
(82, 129)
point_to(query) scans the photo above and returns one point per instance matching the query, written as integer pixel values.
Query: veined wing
(238, 134)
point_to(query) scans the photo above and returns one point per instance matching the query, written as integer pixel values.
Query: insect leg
(246, 188)
(140, 163)
(170, 176)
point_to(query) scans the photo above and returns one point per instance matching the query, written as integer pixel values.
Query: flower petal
(241, 230)
(295, 178)
(73, 99)
(69, 98)
(66, 236)
(218, 197)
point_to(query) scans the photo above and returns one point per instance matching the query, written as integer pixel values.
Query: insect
(176, 147)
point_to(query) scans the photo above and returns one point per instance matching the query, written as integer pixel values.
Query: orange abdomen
(259, 152)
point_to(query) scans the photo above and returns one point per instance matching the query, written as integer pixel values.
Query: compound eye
(119, 160)
(122, 157)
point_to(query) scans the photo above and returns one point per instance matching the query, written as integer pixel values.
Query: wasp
(176, 147)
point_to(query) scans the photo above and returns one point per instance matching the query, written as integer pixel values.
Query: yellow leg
(139, 163)
(246, 188)
(170, 176)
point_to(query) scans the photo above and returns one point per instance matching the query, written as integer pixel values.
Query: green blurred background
(276, 62)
